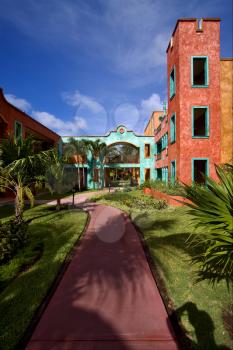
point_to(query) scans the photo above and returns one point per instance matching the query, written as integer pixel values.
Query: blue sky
(85, 66)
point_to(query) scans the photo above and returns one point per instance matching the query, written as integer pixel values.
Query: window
(173, 171)
(159, 174)
(18, 130)
(165, 174)
(173, 128)
(147, 174)
(200, 169)
(199, 25)
(200, 121)
(147, 150)
(159, 147)
(172, 82)
(200, 71)
(164, 141)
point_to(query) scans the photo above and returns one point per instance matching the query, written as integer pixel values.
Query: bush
(175, 189)
(13, 235)
(132, 201)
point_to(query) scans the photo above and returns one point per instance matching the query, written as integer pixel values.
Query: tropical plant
(98, 150)
(14, 148)
(59, 179)
(13, 235)
(22, 171)
(19, 186)
(212, 212)
(76, 148)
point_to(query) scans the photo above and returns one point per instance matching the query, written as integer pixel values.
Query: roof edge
(207, 19)
(28, 116)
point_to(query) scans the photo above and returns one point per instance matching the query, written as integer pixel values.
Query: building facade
(15, 122)
(196, 133)
(140, 164)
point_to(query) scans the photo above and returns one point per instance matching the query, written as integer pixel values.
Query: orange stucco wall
(226, 90)
(153, 123)
(9, 114)
(190, 42)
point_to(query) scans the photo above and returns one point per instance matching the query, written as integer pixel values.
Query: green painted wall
(121, 134)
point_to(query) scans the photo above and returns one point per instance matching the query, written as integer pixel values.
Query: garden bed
(171, 200)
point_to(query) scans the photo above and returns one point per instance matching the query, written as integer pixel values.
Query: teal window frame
(173, 128)
(15, 129)
(173, 171)
(206, 72)
(207, 134)
(165, 174)
(172, 83)
(207, 166)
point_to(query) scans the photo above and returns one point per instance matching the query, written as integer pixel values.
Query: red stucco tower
(193, 68)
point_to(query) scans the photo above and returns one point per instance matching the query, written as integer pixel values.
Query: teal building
(137, 162)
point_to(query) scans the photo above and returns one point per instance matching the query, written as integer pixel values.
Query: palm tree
(76, 148)
(59, 179)
(212, 211)
(21, 169)
(98, 150)
(19, 187)
(14, 148)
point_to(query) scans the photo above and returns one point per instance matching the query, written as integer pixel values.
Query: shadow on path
(203, 326)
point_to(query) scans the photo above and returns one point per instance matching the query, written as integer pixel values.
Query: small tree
(19, 176)
(78, 149)
(20, 188)
(59, 179)
(212, 211)
(98, 150)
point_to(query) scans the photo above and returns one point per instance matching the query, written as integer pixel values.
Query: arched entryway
(122, 164)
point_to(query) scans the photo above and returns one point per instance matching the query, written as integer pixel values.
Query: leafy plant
(212, 212)
(59, 179)
(13, 235)
(175, 189)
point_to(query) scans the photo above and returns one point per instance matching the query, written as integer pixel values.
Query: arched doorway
(122, 165)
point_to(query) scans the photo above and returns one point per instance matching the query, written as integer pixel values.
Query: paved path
(107, 298)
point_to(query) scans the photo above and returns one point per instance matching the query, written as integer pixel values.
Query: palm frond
(212, 215)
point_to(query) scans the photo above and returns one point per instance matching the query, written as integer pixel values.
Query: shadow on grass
(203, 327)
(105, 265)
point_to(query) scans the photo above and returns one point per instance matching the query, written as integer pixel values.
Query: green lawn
(25, 280)
(199, 306)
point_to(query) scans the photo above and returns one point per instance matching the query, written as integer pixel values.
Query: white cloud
(76, 99)
(20, 103)
(126, 37)
(153, 103)
(126, 114)
(135, 117)
(60, 126)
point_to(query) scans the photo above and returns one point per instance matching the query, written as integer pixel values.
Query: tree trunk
(84, 182)
(18, 205)
(58, 207)
(79, 178)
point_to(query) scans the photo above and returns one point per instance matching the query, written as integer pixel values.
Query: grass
(199, 306)
(26, 279)
(133, 200)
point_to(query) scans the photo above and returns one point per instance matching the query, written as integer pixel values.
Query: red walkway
(107, 298)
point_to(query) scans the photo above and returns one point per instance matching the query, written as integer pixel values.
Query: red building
(188, 139)
(15, 122)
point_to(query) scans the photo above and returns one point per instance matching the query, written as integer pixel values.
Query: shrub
(175, 189)
(13, 235)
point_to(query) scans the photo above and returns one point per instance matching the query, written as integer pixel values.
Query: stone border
(176, 201)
